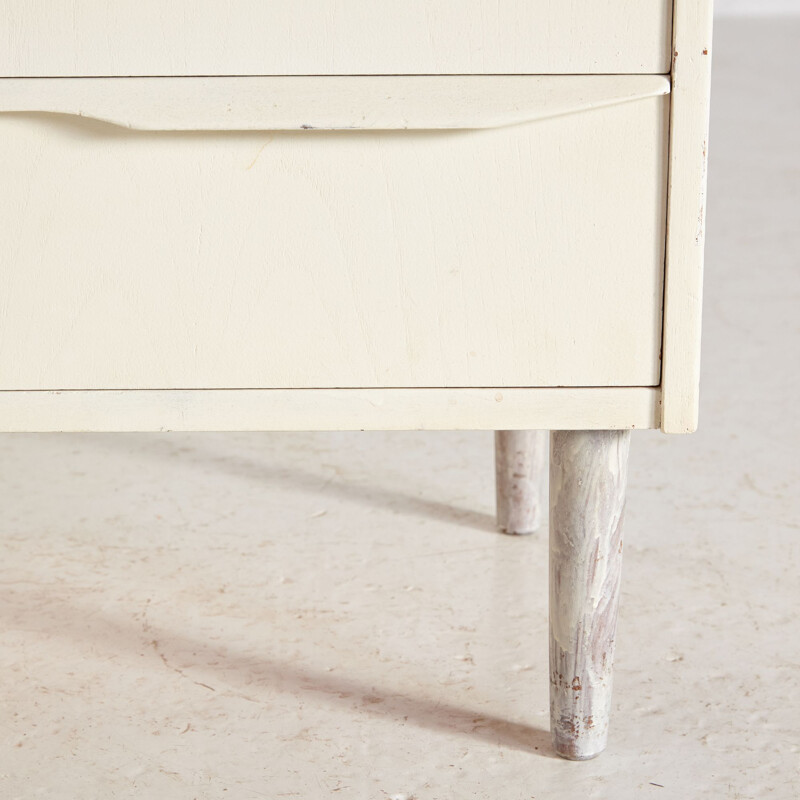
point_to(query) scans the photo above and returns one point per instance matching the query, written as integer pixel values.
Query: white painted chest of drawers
(322, 214)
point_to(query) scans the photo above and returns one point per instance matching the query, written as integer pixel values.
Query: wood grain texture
(332, 37)
(691, 78)
(329, 409)
(328, 103)
(520, 464)
(588, 473)
(529, 255)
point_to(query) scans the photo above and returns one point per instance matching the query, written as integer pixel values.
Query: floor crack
(178, 670)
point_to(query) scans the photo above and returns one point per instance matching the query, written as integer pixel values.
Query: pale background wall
(753, 8)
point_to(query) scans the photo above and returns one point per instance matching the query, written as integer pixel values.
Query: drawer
(332, 232)
(333, 37)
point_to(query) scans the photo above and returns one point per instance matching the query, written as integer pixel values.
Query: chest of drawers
(355, 215)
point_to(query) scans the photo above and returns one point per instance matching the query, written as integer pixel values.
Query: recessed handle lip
(331, 103)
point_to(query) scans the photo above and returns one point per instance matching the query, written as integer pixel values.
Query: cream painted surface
(691, 82)
(338, 37)
(330, 409)
(300, 103)
(530, 255)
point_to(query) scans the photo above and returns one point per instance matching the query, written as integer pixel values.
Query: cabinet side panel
(691, 73)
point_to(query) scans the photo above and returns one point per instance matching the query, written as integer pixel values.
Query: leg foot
(588, 472)
(520, 458)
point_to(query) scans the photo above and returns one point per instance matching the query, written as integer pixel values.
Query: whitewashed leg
(588, 472)
(520, 458)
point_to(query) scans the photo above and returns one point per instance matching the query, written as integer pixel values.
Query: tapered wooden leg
(588, 472)
(520, 459)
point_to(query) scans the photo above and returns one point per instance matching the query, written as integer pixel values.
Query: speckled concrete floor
(333, 615)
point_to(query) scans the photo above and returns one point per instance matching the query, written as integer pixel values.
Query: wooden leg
(588, 472)
(520, 458)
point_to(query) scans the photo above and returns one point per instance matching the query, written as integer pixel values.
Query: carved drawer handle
(445, 102)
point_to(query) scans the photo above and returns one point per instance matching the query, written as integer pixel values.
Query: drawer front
(333, 37)
(528, 254)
